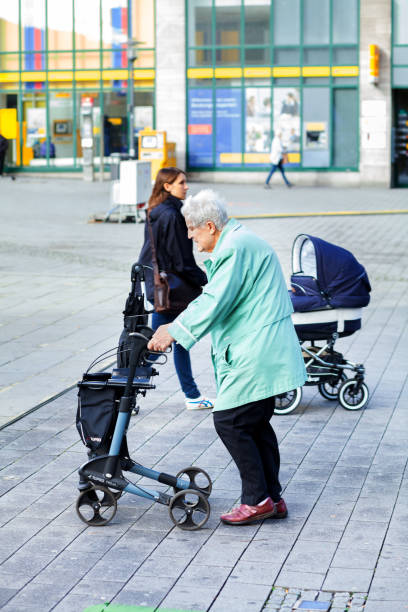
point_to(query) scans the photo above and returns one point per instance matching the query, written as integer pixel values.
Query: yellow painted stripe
(33, 76)
(315, 126)
(67, 75)
(200, 73)
(145, 73)
(118, 74)
(316, 71)
(254, 158)
(258, 71)
(275, 71)
(286, 71)
(60, 76)
(197, 73)
(345, 71)
(8, 77)
(87, 75)
(294, 158)
(228, 73)
(333, 213)
(230, 158)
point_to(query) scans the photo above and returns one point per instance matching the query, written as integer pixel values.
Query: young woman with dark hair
(174, 253)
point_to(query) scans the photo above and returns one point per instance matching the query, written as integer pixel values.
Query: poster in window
(143, 116)
(286, 120)
(36, 125)
(228, 127)
(200, 128)
(257, 120)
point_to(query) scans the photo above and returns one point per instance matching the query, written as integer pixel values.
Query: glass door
(400, 139)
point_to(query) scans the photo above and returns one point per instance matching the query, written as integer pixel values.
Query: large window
(260, 66)
(55, 53)
(400, 43)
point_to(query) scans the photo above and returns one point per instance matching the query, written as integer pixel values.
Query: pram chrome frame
(327, 368)
(101, 479)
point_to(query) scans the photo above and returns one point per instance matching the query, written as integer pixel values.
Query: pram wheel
(288, 402)
(96, 506)
(350, 397)
(330, 388)
(189, 509)
(198, 479)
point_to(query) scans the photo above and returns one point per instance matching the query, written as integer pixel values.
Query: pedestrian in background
(276, 158)
(3, 151)
(174, 253)
(255, 349)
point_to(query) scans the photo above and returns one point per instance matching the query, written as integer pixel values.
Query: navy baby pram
(327, 277)
(329, 289)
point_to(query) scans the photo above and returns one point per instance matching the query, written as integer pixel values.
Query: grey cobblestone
(333, 461)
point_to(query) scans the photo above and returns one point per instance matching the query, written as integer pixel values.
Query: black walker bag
(96, 417)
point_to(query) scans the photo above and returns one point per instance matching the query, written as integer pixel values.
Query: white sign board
(135, 182)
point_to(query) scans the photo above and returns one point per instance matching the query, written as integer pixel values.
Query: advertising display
(36, 125)
(228, 137)
(200, 112)
(227, 130)
(257, 119)
(286, 121)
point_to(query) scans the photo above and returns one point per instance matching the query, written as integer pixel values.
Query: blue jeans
(272, 170)
(182, 361)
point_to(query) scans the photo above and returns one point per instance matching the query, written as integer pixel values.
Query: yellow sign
(115, 120)
(315, 126)
(8, 123)
(154, 147)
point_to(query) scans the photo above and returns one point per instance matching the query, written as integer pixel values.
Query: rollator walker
(106, 402)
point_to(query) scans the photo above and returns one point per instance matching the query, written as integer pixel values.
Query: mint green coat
(246, 308)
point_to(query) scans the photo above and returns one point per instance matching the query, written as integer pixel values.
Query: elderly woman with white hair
(255, 351)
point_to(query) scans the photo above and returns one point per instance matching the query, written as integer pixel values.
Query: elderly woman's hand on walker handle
(161, 339)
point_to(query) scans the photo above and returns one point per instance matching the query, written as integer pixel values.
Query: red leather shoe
(243, 515)
(281, 510)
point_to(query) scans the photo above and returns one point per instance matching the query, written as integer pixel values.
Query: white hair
(207, 205)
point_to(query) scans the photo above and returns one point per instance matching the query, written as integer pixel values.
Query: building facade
(54, 54)
(220, 76)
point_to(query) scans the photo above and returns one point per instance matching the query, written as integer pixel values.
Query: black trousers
(251, 441)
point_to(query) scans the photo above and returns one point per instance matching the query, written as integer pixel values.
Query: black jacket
(3, 144)
(174, 250)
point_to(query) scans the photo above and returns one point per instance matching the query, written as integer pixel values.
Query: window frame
(23, 76)
(334, 81)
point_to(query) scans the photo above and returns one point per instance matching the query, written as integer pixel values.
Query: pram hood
(325, 275)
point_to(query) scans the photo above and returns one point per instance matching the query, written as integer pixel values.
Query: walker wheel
(189, 509)
(198, 479)
(350, 397)
(288, 402)
(96, 506)
(329, 389)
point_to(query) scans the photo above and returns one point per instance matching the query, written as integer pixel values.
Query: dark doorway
(400, 138)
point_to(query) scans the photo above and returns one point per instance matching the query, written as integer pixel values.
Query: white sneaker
(199, 403)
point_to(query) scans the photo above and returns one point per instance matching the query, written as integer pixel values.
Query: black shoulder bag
(172, 293)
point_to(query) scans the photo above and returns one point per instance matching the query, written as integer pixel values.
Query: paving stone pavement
(63, 286)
